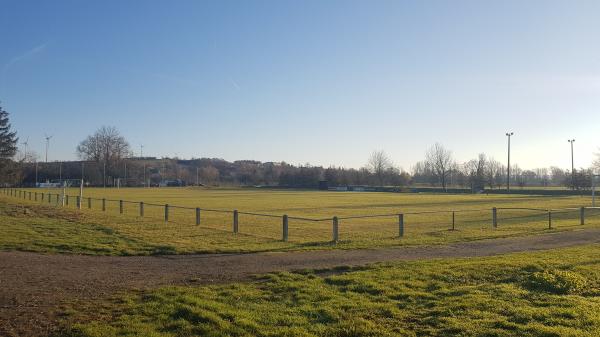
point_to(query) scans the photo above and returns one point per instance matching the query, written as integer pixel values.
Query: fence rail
(261, 224)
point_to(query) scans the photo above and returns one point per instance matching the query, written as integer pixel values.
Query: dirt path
(33, 285)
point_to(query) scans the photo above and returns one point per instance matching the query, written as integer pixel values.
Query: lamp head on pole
(571, 140)
(510, 134)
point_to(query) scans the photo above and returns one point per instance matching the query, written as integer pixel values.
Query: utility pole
(104, 174)
(572, 164)
(125, 173)
(36, 173)
(141, 151)
(60, 170)
(508, 134)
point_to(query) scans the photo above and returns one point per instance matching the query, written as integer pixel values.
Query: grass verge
(550, 293)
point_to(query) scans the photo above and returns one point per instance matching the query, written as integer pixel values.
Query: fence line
(169, 212)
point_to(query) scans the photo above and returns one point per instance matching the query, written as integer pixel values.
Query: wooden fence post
(120, 206)
(103, 205)
(285, 228)
(166, 212)
(400, 225)
(235, 221)
(453, 222)
(89, 202)
(141, 209)
(549, 219)
(197, 216)
(582, 216)
(335, 229)
(494, 217)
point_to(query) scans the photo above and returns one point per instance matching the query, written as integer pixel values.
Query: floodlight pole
(572, 164)
(81, 185)
(508, 134)
(36, 173)
(197, 180)
(594, 189)
(104, 174)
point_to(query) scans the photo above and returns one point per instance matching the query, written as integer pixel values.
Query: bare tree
(209, 175)
(557, 175)
(105, 146)
(441, 162)
(378, 164)
(493, 172)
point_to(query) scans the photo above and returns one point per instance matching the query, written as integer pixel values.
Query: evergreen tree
(8, 138)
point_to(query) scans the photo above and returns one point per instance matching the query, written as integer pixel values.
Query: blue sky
(324, 82)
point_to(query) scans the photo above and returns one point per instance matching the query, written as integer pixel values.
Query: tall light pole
(508, 134)
(594, 176)
(81, 185)
(142, 159)
(572, 164)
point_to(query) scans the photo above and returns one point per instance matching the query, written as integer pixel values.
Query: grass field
(92, 231)
(551, 293)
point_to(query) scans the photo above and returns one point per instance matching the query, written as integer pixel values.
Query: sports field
(365, 219)
(544, 293)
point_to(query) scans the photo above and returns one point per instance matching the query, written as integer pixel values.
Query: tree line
(106, 159)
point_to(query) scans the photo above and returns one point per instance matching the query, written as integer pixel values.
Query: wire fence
(326, 229)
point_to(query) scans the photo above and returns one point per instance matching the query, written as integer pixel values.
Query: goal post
(57, 190)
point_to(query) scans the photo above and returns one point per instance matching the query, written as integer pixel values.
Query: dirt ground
(33, 287)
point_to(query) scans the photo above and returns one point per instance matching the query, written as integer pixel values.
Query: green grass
(92, 231)
(550, 293)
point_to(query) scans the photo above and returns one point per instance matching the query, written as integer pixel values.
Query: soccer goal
(60, 188)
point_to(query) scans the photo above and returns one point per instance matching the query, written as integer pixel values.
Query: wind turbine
(25, 143)
(47, 144)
